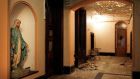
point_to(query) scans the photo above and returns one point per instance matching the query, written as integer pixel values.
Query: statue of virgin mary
(19, 47)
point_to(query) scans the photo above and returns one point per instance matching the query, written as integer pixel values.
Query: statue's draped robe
(18, 47)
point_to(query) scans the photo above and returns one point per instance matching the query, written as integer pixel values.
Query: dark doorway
(92, 40)
(80, 36)
(121, 39)
(131, 45)
(54, 37)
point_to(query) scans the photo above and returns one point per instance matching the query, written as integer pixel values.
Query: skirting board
(111, 54)
(42, 77)
(136, 75)
(68, 69)
(107, 53)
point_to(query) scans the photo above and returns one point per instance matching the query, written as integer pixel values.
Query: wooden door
(121, 42)
(80, 36)
(50, 50)
(92, 40)
(131, 45)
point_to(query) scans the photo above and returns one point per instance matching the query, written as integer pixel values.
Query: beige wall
(136, 38)
(38, 8)
(105, 36)
(89, 29)
(104, 33)
(69, 37)
(4, 40)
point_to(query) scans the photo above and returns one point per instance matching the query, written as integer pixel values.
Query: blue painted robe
(15, 35)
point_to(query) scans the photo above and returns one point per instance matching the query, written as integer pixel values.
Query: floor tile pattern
(108, 67)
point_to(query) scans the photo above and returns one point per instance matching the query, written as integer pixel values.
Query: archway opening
(121, 39)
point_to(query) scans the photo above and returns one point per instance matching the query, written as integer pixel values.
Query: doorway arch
(121, 38)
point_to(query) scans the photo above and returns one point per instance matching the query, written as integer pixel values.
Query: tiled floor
(106, 76)
(108, 67)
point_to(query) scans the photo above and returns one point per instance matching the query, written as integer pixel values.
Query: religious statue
(19, 47)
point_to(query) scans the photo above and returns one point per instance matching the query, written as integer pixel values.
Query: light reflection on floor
(108, 67)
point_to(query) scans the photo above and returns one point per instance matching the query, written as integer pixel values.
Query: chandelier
(110, 4)
(113, 7)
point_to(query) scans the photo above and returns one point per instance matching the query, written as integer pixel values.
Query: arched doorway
(120, 38)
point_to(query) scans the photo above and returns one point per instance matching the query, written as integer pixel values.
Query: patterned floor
(108, 67)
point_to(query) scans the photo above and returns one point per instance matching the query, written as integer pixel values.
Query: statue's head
(17, 23)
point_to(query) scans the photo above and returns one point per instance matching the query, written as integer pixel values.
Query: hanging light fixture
(108, 4)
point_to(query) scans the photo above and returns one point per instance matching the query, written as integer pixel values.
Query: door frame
(120, 22)
(80, 46)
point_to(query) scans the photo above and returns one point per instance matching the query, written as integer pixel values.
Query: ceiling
(112, 8)
(118, 9)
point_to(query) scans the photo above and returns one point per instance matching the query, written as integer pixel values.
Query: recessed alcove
(25, 14)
